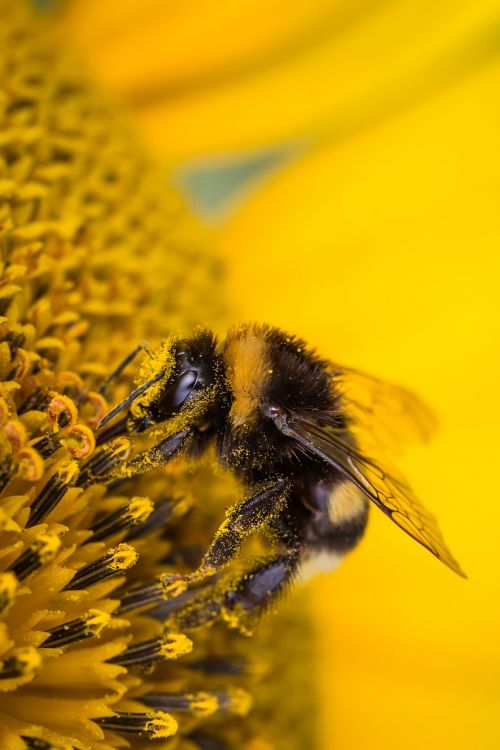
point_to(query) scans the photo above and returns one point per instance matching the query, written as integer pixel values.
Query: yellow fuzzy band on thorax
(247, 372)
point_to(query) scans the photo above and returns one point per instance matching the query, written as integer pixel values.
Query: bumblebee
(303, 435)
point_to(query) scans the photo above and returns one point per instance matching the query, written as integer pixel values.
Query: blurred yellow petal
(177, 47)
(383, 249)
(250, 74)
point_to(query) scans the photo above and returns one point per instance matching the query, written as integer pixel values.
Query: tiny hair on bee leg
(159, 455)
(243, 520)
(247, 596)
(258, 588)
(201, 610)
(251, 592)
(103, 388)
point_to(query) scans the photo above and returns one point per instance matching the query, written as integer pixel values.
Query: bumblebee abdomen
(346, 503)
(339, 519)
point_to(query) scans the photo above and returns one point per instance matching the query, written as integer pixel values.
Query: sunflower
(346, 155)
(97, 255)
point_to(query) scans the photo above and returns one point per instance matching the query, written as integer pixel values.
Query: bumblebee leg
(159, 455)
(123, 364)
(259, 587)
(234, 598)
(236, 601)
(244, 519)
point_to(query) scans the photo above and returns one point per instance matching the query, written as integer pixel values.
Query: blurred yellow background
(380, 253)
(374, 234)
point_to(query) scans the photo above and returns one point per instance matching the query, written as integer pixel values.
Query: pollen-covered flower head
(96, 256)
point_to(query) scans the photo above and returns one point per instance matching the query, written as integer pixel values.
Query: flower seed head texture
(97, 255)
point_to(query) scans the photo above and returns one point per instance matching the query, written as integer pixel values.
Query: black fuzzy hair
(199, 347)
(300, 380)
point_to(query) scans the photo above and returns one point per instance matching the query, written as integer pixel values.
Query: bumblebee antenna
(127, 401)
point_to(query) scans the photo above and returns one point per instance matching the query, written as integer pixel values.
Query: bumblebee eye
(176, 394)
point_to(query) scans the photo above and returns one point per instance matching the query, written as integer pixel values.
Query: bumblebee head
(180, 382)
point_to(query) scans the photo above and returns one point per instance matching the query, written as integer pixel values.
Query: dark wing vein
(386, 489)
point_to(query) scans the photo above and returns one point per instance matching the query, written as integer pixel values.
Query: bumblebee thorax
(246, 356)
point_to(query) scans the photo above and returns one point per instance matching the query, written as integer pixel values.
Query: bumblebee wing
(382, 413)
(390, 492)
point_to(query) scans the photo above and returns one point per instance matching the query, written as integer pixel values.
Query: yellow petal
(247, 76)
(383, 249)
(143, 47)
